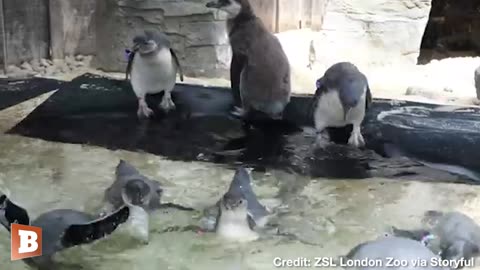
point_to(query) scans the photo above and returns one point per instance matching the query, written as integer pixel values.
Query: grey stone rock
(44, 63)
(391, 29)
(79, 57)
(50, 71)
(191, 27)
(15, 72)
(205, 33)
(70, 61)
(477, 81)
(12, 69)
(26, 66)
(35, 64)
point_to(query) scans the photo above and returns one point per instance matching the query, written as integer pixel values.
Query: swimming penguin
(342, 98)
(390, 251)
(458, 235)
(259, 70)
(238, 213)
(153, 67)
(136, 195)
(61, 228)
(144, 192)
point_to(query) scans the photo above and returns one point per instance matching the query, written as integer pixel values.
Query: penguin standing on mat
(259, 71)
(153, 67)
(342, 98)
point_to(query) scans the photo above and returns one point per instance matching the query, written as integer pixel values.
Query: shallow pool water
(327, 217)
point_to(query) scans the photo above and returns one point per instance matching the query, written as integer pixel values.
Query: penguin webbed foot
(167, 103)
(143, 110)
(322, 140)
(356, 138)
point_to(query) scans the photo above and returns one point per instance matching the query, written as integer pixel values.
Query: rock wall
(372, 32)
(72, 27)
(198, 34)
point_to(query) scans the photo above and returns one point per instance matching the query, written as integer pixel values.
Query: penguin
(259, 69)
(61, 228)
(342, 97)
(390, 250)
(458, 235)
(153, 66)
(238, 213)
(145, 192)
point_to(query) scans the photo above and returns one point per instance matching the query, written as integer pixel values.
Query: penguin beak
(212, 4)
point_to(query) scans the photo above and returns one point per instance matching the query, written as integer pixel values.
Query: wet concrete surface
(328, 216)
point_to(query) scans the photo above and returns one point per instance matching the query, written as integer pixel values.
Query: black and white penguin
(153, 66)
(342, 98)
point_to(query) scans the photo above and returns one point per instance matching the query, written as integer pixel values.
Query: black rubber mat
(100, 111)
(13, 92)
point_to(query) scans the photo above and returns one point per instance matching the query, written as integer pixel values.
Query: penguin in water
(146, 192)
(259, 70)
(61, 228)
(458, 235)
(238, 213)
(153, 66)
(399, 249)
(342, 98)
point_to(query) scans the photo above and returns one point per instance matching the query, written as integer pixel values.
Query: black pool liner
(14, 91)
(101, 111)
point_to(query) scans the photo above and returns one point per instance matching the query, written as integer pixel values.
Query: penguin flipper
(131, 56)
(78, 234)
(369, 98)
(12, 213)
(180, 70)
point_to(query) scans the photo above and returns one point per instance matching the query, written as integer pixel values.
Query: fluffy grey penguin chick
(238, 213)
(136, 195)
(457, 233)
(342, 98)
(144, 192)
(61, 228)
(398, 248)
(259, 71)
(153, 67)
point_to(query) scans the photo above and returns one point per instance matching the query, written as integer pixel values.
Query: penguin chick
(153, 66)
(389, 249)
(234, 222)
(143, 192)
(342, 98)
(457, 233)
(259, 70)
(136, 195)
(61, 228)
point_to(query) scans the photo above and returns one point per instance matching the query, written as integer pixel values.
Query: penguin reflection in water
(342, 98)
(259, 70)
(153, 66)
(61, 228)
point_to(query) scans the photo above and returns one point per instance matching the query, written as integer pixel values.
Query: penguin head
(144, 44)
(231, 7)
(235, 201)
(137, 192)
